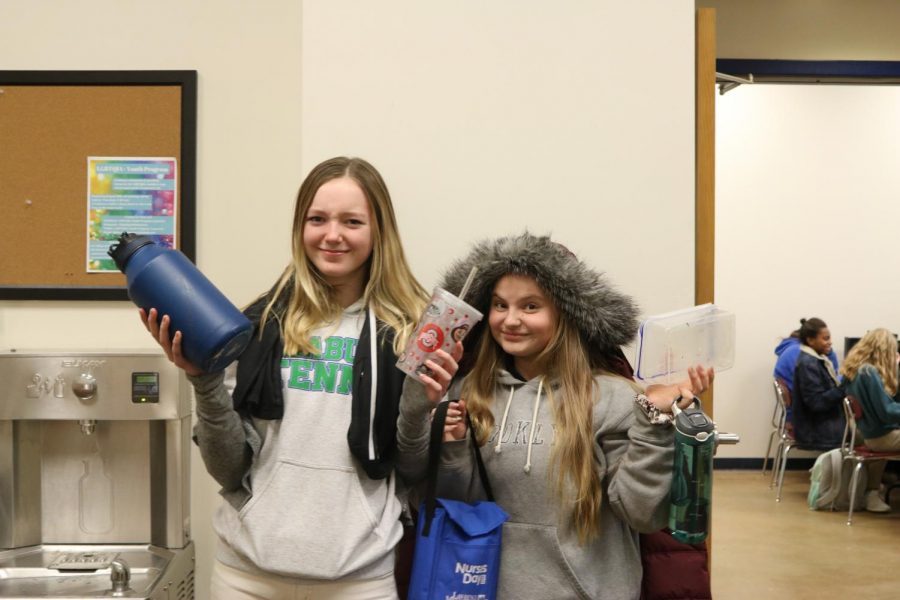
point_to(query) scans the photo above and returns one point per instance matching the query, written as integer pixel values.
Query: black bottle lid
(127, 244)
(693, 422)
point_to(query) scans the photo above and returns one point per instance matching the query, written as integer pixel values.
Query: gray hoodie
(299, 505)
(541, 555)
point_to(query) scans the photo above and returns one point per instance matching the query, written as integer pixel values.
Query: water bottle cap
(128, 244)
(693, 422)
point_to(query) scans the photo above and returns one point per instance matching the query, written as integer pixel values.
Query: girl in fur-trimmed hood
(604, 318)
(581, 459)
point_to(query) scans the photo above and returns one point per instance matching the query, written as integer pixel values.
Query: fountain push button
(85, 386)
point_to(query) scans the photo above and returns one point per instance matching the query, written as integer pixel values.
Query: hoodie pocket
(532, 564)
(309, 521)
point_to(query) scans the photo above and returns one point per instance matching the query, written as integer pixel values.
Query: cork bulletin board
(50, 123)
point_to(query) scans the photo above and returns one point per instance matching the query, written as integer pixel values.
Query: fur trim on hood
(605, 317)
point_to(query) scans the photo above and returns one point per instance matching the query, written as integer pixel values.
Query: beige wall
(485, 118)
(493, 117)
(807, 30)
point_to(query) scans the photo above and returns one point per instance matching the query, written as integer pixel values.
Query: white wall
(572, 118)
(807, 192)
(485, 118)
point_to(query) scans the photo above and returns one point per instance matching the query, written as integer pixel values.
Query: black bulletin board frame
(187, 168)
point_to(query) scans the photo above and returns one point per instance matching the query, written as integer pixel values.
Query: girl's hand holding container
(440, 372)
(164, 279)
(159, 329)
(442, 368)
(664, 396)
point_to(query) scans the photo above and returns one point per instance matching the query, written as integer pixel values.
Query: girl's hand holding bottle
(664, 396)
(442, 368)
(159, 329)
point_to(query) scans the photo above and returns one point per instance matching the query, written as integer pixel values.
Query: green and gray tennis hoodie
(303, 508)
(541, 556)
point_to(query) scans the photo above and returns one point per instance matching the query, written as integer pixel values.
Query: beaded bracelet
(656, 416)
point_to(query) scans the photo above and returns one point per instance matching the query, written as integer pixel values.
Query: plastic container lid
(670, 343)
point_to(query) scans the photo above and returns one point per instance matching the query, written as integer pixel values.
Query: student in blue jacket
(817, 398)
(871, 372)
(788, 350)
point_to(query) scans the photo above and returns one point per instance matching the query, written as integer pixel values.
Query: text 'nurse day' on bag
(457, 553)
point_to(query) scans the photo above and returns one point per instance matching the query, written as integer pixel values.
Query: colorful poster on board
(133, 194)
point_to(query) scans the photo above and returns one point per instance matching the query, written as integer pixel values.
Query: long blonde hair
(573, 468)
(879, 349)
(391, 289)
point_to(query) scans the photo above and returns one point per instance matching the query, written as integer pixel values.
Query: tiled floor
(763, 549)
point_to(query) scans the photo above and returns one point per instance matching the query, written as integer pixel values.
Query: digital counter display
(145, 388)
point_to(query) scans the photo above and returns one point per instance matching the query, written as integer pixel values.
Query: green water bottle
(691, 497)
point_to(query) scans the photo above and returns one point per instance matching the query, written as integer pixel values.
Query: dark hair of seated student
(813, 330)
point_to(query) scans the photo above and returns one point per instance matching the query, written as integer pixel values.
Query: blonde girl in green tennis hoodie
(302, 434)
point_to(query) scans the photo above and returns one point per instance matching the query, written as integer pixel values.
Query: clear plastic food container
(670, 343)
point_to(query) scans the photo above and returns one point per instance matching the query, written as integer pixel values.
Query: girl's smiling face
(523, 320)
(822, 342)
(337, 232)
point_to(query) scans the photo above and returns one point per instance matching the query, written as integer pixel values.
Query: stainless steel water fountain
(94, 477)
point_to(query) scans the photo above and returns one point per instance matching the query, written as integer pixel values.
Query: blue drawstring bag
(457, 551)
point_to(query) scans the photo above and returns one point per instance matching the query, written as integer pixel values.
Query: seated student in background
(870, 371)
(818, 412)
(788, 350)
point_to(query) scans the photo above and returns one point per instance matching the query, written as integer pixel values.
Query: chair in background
(787, 442)
(779, 423)
(859, 454)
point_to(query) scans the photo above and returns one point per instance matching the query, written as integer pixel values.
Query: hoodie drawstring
(497, 449)
(534, 414)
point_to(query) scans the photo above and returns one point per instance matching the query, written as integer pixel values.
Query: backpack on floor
(829, 482)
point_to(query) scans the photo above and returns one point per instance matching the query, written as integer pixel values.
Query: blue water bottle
(214, 331)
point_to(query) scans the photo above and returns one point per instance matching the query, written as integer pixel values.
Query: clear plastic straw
(467, 284)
